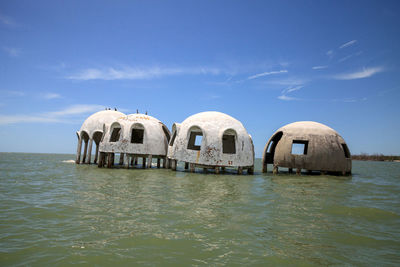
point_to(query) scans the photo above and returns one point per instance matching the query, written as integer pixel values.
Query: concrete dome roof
(210, 118)
(308, 127)
(94, 123)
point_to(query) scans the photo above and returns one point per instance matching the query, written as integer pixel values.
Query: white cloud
(365, 73)
(287, 98)
(350, 56)
(266, 74)
(61, 116)
(329, 53)
(51, 96)
(319, 67)
(136, 73)
(348, 44)
(12, 51)
(292, 89)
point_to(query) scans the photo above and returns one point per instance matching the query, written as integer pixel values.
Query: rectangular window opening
(299, 147)
(137, 136)
(228, 144)
(115, 135)
(346, 151)
(195, 140)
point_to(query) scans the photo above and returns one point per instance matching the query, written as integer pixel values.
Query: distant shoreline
(376, 157)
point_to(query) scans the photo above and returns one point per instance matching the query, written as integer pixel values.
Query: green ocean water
(56, 213)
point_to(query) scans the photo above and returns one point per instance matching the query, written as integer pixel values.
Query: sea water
(54, 212)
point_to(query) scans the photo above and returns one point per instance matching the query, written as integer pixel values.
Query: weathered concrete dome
(136, 135)
(212, 139)
(307, 145)
(92, 130)
(95, 122)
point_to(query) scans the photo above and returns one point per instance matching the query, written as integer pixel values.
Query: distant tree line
(375, 157)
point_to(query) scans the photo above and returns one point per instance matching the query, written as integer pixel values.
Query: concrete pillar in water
(85, 152)
(121, 158)
(216, 170)
(173, 164)
(250, 170)
(240, 170)
(143, 162)
(275, 170)
(89, 153)
(97, 154)
(78, 151)
(158, 163)
(192, 167)
(186, 165)
(150, 160)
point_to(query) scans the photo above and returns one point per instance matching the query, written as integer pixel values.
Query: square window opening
(228, 144)
(195, 140)
(299, 147)
(137, 136)
(115, 135)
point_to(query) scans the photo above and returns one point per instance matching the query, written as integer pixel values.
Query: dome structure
(211, 140)
(136, 136)
(92, 130)
(307, 145)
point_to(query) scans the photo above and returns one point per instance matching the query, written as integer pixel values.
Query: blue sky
(266, 63)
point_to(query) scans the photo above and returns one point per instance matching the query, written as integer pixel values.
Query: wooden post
(97, 154)
(250, 170)
(78, 151)
(192, 167)
(216, 170)
(275, 170)
(150, 161)
(89, 153)
(126, 162)
(101, 158)
(121, 158)
(240, 170)
(158, 163)
(173, 164)
(265, 167)
(186, 165)
(84, 152)
(109, 158)
(143, 162)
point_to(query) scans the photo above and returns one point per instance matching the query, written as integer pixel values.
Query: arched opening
(171, 143)
(137, 133)
(346, 151)
(269, 154)
(166, 132)
(195, 138)
(85, 138)
(115, 132)
(229, 142)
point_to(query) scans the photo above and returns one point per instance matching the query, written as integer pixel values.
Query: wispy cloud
(319, 67)
(266, 74)
(329, 53)
(287, 98)
(60, 116)
(137, 73)
(348, 44)
(50, 96)
(350, 100)
(365, 73)
(12, 51)
(292, 89)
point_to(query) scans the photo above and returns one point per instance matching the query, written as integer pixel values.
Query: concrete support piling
(97, 153)
(150, 161)
(89, 153)
(143, 162)
(85, 152)
(121, 159)
(158, 163)
(78, 152)
(240, 170)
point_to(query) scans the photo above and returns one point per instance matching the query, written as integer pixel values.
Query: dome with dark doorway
(307, 145)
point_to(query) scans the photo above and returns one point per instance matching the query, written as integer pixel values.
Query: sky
(265, 63)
